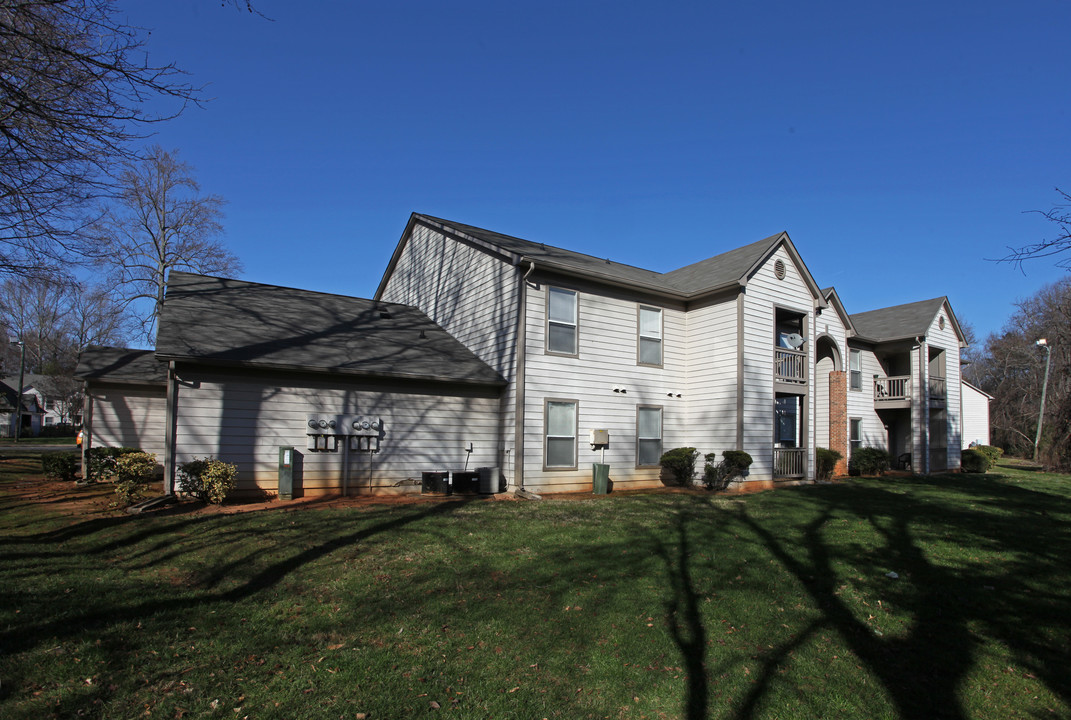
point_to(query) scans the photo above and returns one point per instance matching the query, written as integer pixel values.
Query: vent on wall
(779, 269)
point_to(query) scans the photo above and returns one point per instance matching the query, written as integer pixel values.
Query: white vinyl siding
(648, 436)
(470, 294)
(561, 321)
(244, 418)
(711, 378)
(606, 360)
(561, 434)
(129, 416)
(765, 294)
(649, 334)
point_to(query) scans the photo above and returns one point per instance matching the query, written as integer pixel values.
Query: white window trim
(546, 433)
(853, 353)
(575, 324)
(640, 337)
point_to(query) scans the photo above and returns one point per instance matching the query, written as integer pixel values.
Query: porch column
(838, 418)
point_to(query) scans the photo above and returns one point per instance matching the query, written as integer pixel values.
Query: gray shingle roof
(720, 271)
(233, 322)
(899, 321)
(125, 365)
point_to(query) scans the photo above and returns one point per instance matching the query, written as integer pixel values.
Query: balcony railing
(789, 462)
(790, 366)
(891, 389)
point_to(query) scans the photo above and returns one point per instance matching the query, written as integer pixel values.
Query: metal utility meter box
(286, 472)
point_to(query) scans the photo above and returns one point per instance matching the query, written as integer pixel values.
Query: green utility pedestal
(286, 472)
(600, 478)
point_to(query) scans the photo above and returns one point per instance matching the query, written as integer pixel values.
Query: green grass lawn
(776, 605)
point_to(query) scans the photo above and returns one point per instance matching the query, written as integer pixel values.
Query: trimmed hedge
(868, 461)
(992, 452)
(208, 480)
(975, 460)
(60, 466)
(825, 461)
(718, 475)
(680, 462)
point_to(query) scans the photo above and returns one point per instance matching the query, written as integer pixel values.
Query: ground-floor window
(648, 436)
(855, 434)
(560, 423)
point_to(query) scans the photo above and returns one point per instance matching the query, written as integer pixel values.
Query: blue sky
(899, 144)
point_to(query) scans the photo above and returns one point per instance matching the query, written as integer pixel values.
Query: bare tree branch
(157, 223)
(74, 81)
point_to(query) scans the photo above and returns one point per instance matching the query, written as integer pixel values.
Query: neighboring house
(59, 397)
(485, 350)
(31, 415)
(975, 413)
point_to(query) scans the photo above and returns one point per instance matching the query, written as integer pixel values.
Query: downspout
(518, 411)
(169, 429)
(924, 408)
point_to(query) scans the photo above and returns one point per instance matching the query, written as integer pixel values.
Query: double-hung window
(560, 423)
(650, 335)
(855, 369)
(561, 321)
(648, 436)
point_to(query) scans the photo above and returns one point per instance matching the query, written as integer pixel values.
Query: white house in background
(975, 412)
(482, 350)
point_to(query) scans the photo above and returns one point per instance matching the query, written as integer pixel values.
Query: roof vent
(779, 270)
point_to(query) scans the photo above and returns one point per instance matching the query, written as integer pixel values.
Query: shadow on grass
(74, 624)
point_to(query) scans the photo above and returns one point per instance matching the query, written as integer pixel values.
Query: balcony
(938, 391)
(894, 389)
(790, 366)
(789, 463)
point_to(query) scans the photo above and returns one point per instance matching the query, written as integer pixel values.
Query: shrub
(208, 480)
(868, 461)
(992, 452)
(975, 460)
(60, 466)
(133, 471)
(101, 462)
(61, 430)
(718, 475)
(825, 461)
(680, 462)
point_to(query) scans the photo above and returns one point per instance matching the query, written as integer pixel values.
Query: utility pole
(18, 401)
(1044, 389)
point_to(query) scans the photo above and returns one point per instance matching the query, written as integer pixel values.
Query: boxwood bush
(208, 480)
(825, 462)
(975, 460)
(680, 462)
(868, 461)
(60, 466)
(718, 475)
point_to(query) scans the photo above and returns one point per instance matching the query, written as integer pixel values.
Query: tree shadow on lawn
(75, 623)
(922, 670)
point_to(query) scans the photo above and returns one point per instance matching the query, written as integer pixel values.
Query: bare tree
(159, 222)
(1060, 214)
(56, 319)
(1012, 370)
(74, 80)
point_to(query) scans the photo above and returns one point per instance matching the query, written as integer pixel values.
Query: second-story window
(855, 369)
(561, 321)
(650, 335)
